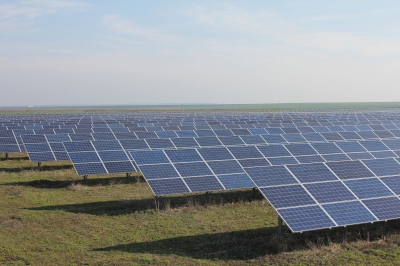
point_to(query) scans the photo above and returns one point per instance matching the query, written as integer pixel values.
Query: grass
(50, 216)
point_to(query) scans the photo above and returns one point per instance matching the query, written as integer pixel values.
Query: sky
(61, 52)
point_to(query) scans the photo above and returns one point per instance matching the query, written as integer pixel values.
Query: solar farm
(311, 174)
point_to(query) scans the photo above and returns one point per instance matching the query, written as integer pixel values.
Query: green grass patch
(51, 216)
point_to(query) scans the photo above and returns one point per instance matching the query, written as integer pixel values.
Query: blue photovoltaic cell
(360, 156)
(225, 167)
(119, 167)
(57, 147)
(329, 192)
(113, 156)
(271, 176)
(166, 134)
(160, 143)
(168, 186)
(290, 130)
(310, 159)
(313, 137)
(232, 140)
(205, 133)
(363, 127)
(234, 181)
(306, 218)
(395, 132)
(350, 146)
(77, 146)
(383, 167)
(384, 208)
(181, 156)
(393, 182)
(41, 156)
(215, 154)
(350, 135)
(335, 157)
(349, 169)
(257, 131)
(335, 128)
(134, 144)
(383, 133)
(127, 135)
(374, 145)
(208, 141)
(193, 169)
(103, 136)
(274, 131)
(245, 152)
(306, 129)
(287, 196)
(61, 156)
(9, 148)
(350, 128)
(107, 145)
(273, 138)
(8, 141)
(383, 154)
(253, 139)
(311, 172)
(240, 132)
(347, 213)
(273, 151)
(80, 137)
(37, 147)
(393, 144)
(253, 162)
(389, 126)
(33, 138)
(203, 183)
(377, 127)
(282, 160)
(294, 137)
(158, 171)
(223, 132)
(326, 148)
(58, 138)
(300, 149)
(90, 168)
(367, 135)
(186, 134)
(145, 135)
(368, 188)
(321, 129)
(84, 157)
(330, 136)
(149, 157)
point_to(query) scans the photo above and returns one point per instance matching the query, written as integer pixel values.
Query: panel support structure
(85, 177)
(279, 226)
(6, 155)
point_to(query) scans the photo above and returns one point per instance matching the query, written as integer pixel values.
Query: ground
(50, 216)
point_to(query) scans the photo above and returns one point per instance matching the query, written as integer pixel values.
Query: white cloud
(126, 27)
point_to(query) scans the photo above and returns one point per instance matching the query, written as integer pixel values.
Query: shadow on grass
(256, 243)
(56, 184)
(113, 208)
(36, 168)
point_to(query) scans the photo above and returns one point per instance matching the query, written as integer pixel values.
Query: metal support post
(39, 164)
(342, 230)
(6, 155)
(254, 191)
(85, 177)
(157, 202)
(279, 226)
(128, 175)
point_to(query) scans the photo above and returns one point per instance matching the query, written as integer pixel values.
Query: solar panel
(287, 196)
(347, 213)
(236, 181)
(306, 218)
(384, 208)
(349, 169)
(368, 188)
(325, 192)
(168, 186)
(311, 172)
(383, 167)
(193, 169)
(203, 183)
(300, 149)
(270, 176)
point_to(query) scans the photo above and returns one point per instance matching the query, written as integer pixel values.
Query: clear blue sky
(60, 52)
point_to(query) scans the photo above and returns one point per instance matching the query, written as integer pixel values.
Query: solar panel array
(317, 169)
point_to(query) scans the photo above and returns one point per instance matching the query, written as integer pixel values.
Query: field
(50, 216)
